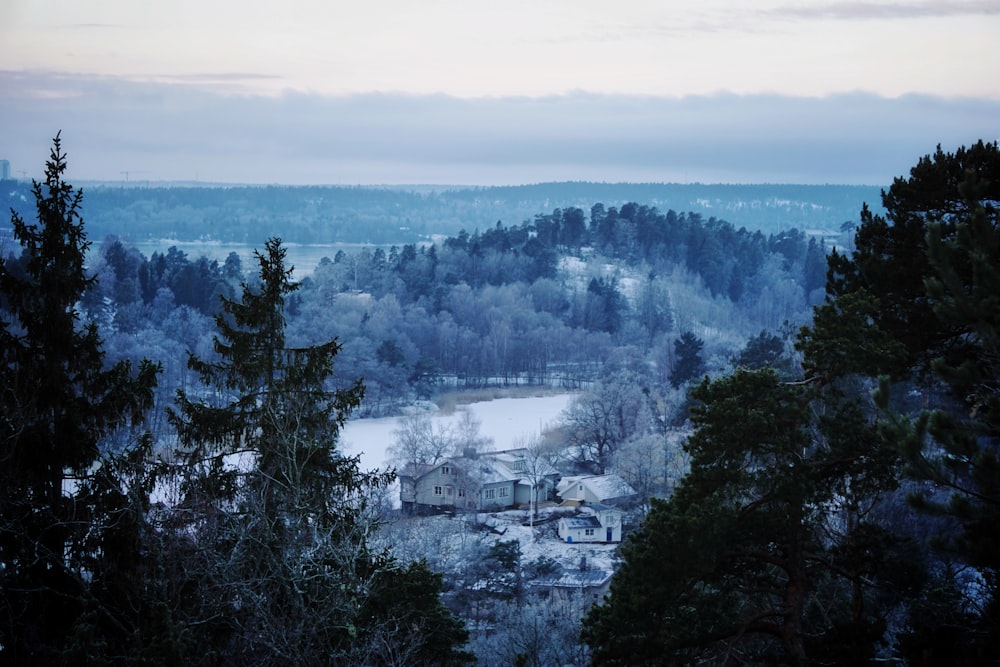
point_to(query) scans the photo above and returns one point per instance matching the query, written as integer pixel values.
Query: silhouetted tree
(58, 401)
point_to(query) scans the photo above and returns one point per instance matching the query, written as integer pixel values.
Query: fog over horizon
(159, 131)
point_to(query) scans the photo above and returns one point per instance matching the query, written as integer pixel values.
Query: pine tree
(958, 449)
(722, 565)
(891, 262)
(922, 284)
(689, 364)
(771, 523)
(57, 402)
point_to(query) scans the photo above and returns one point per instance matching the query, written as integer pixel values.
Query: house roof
(415, 470)
(572, 578)
(486, 468)
(601, 507)
(602, 486)
(581, 521)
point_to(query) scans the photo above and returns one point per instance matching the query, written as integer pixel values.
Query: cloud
(175, 132)
(887, 10)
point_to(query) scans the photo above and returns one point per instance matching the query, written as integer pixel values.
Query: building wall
(497, 495)
(580, 536)
(437, 487)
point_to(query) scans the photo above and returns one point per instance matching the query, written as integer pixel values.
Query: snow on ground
(445, 540)
(509, 422)
(542, 541)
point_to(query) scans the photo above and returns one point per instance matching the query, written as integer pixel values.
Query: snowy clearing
(508, 422)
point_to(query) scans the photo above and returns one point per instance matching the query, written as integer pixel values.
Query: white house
(597, 523)
(595, 489)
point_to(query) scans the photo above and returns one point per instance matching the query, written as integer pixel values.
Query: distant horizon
(143, 183)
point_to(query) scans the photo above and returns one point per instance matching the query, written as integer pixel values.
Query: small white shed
(595, 524)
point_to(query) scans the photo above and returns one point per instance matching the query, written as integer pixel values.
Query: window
(519, 465)
(589, 532)
(504, 491)
(489, 494)
(438, 491)
(446, 470)
(461, 493)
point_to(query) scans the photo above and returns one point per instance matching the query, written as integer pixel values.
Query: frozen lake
(509, 422)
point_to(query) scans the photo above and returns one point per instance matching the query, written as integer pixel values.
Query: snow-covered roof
(572, 578)
(602, 486)
(601, 507)
(415, 470)
(581, 521)
(490, 471)
(486, 468)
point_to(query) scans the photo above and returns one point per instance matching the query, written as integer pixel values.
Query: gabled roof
(602, 486)
(418, 470)
(486, 468)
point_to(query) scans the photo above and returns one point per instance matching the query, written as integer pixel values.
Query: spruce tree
(284, 515)
(58, 399)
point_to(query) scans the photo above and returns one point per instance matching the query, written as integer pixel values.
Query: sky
(471, 92)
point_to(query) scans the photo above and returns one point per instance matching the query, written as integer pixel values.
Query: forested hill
(404, 214)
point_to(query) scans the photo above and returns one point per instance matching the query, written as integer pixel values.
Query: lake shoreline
(448, 401)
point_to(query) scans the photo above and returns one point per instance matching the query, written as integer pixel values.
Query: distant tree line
(411, 214)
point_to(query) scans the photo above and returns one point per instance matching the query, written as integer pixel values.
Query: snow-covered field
(509, 422)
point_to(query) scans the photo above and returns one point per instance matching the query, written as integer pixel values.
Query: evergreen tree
(958, 447)
(721, 567)
(890, 259)
(689, 364)
(764, 349)
(772, 523)
(922, 284)
(58, 400)
(284, 515)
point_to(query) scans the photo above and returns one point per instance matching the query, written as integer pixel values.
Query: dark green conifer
(689, 364)
(284, 515)
(58, 401)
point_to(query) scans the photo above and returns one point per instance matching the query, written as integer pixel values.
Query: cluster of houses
(495, 481)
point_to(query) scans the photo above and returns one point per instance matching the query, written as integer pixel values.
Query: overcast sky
(480, 92)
